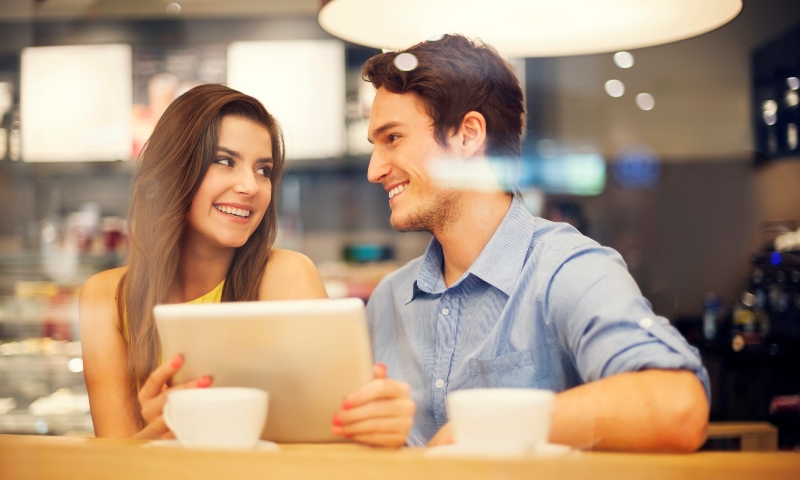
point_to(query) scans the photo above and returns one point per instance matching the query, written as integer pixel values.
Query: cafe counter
(25, 457)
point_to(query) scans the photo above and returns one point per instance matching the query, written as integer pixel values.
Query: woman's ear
(472, 134)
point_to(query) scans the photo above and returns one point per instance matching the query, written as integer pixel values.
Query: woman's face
(236, 191)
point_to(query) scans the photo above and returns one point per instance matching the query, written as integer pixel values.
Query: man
(501, 298)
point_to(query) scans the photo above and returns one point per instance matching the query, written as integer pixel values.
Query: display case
(42, 389)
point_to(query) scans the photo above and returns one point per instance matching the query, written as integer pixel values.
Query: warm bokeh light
(793, 83)
(75, 365)
(645, 101)
(615, 88)
(623, 59)
(770, 118)
(173, 9)
(792, 98)
(406, 62)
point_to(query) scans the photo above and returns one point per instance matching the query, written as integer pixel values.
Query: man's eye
(393, 137)
(224, 161)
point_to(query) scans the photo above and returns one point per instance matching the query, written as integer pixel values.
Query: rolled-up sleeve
(601, 317)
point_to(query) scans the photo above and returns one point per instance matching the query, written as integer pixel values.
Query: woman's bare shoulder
(103, 285)
(291, 275)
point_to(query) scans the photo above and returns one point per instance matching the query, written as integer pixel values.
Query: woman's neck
(199, 271)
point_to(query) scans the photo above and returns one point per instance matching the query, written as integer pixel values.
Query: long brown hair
(171, 167)
(455, 76)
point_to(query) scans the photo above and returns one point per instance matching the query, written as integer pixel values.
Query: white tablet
(308, 354)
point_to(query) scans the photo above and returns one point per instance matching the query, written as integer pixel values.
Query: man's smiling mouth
(397, 189)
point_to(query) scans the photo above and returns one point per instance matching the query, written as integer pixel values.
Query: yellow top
(214, 296)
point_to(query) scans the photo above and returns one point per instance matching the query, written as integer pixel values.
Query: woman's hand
(380, 413)
(153, 397)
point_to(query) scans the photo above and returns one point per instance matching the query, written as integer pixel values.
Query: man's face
(402, 133)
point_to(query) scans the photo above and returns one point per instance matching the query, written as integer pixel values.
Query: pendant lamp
(526, 28)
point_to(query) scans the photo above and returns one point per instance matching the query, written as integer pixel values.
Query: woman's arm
(117, 410)
(114, 406)
(291, 276)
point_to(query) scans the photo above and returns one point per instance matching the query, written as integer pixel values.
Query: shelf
(24, 423)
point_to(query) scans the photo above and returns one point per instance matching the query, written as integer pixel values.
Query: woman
(202, 224)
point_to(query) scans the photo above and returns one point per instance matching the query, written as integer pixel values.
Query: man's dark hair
(455, 76)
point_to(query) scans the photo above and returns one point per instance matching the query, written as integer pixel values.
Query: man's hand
(380, 413)
(444, 436)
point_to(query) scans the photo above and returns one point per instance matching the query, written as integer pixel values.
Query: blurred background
(683, 157)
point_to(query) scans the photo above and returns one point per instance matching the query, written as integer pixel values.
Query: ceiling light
(527, 28)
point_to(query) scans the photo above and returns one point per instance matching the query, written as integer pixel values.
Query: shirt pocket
(512, 370)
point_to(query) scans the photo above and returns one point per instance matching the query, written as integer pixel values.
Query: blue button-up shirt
(542, 307)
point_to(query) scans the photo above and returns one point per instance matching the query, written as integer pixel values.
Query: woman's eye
(265, 171)
(392, 137)
(224, 161)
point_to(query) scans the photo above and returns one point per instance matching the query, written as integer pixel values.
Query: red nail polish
(177, 361)
(337, 430)
(346, 405)
(203, 382)
(337, 421)
(383, 365)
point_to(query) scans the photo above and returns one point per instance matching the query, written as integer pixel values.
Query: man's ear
(472, 134)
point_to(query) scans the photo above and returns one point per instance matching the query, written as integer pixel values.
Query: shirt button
(646, 322)
(439, 383)
(447, 297)
(446, 311)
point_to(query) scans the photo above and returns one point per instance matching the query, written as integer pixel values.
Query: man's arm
(650, 410)
(647, 411)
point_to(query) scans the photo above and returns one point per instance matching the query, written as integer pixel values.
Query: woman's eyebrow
(230, 152)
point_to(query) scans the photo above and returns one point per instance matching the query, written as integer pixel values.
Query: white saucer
(262, 445)
(543, 450)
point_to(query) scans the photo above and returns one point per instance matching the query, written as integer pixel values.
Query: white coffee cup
(501, 420)
(217, 417)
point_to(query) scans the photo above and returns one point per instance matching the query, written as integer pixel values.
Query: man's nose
(378, 167)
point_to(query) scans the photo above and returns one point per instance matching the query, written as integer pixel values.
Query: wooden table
(32, 457)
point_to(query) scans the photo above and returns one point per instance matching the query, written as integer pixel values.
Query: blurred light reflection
(792, 98)
(406, 62)
(645, 101)
(636, 166)
(570, 173)
(623, 59)
(615, 88)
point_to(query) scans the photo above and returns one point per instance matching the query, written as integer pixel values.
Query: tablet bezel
(307, 354)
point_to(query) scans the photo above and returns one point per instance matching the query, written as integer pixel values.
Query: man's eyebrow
(378, 131)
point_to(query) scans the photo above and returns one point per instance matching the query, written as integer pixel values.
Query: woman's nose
(246, 183)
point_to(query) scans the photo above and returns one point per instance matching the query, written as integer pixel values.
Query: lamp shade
(526, 28)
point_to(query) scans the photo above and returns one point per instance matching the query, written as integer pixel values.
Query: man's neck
(462, 243)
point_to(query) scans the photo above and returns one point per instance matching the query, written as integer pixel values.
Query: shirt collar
(499, 264)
